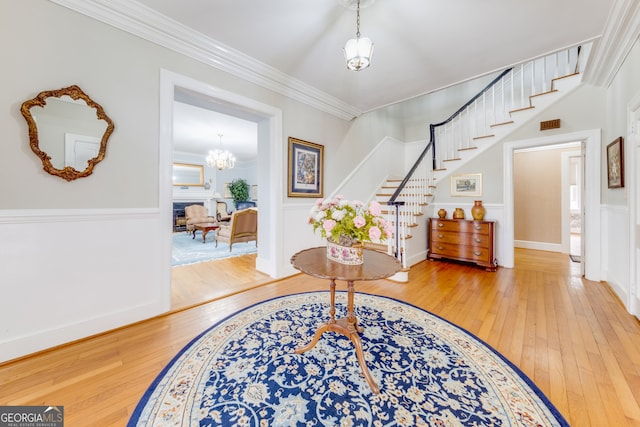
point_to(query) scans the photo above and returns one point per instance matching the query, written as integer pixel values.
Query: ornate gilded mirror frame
(75, 93)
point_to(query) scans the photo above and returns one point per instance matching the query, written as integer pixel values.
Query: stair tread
(510, 122)
(483, 137)
(521, 109)
(564, 77)
(544, 93)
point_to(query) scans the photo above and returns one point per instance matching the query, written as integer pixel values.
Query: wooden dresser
(463, 240)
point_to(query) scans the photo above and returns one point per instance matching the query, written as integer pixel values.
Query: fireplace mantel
(195, 195)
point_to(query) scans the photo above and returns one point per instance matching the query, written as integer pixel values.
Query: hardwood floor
(571, 336)
(194, 284)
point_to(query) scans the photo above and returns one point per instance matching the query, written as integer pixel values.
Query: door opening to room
(575, 206)
(548, 199)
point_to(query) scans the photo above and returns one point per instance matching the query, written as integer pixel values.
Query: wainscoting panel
(65, 275)
(615, 243)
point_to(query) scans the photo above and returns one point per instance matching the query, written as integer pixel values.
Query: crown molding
(620, 33)
(146, 23)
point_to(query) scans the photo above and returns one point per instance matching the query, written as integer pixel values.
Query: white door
(79, 149)
(634, 290)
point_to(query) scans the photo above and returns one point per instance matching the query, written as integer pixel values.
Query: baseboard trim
(538, 246)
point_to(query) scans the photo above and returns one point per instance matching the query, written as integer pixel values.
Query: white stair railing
(511, 91)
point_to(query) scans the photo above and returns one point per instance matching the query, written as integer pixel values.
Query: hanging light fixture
(220, 159)
(358, 51)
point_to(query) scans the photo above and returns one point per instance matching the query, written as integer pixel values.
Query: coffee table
(377, 265)
(205, 227)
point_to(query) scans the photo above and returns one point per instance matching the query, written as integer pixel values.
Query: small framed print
(466, 185)
(615, 163)
(306, 169)
(226, 192)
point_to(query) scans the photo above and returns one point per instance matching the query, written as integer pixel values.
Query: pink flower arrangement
(346, 222)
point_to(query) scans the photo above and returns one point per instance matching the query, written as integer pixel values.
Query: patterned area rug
(187, 250)
(244, 372)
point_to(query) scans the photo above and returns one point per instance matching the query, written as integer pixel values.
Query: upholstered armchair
(222, 214)
(243, 227)
(197, 214)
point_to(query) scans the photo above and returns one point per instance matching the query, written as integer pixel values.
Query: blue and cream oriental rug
(187, 250)
(244, 372)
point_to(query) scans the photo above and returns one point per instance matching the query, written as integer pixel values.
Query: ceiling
(198, 122)
(421, 46)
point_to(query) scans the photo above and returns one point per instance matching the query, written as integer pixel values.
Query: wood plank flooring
(194, 284)
(571, 336)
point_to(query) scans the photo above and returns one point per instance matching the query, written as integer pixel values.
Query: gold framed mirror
(188, 175)
(68, 131)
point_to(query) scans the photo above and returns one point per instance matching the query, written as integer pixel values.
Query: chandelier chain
(358, 20)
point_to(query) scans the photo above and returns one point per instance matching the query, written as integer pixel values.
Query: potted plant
(239, 190)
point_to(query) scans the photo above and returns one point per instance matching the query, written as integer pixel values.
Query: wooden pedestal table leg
(348, 327)
(355, 339)
(353, 329)
(344, 327)
(326, 327)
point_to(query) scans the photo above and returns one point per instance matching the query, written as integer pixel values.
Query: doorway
(591, 259)
(548, 199)
(269, 168)
(572, 183)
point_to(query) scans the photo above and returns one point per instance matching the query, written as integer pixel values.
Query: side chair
(243, 227)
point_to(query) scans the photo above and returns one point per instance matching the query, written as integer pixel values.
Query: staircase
(511, 100)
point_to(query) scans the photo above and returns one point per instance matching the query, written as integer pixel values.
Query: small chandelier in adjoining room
(358, 51)
(221, 159)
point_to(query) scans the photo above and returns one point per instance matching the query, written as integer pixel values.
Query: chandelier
(358, 51)
(220, 159)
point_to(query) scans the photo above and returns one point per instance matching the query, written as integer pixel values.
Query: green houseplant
(239, 189)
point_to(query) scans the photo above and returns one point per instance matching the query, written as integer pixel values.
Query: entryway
(269, 165)
(590, 140)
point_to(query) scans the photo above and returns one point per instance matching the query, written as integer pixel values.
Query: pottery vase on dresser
(478, 210)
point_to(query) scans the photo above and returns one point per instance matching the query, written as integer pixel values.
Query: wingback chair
(243, 227)
(196, 214)
(222, 214)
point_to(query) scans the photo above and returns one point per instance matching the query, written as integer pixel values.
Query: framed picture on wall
(615, 163)
(226, 192)
(467, 185)
(306, 169)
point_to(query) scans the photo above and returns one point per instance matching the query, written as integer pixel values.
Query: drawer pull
(477, 240)
(476, 253)
(440, 236)
(440, 224)
(440, 248)
(477, 227)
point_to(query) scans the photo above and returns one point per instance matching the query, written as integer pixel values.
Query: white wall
(82, 257)
(617, 210)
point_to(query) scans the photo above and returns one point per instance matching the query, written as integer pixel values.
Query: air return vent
(550, 124)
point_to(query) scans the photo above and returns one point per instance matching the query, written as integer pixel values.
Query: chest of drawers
(463, 240)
